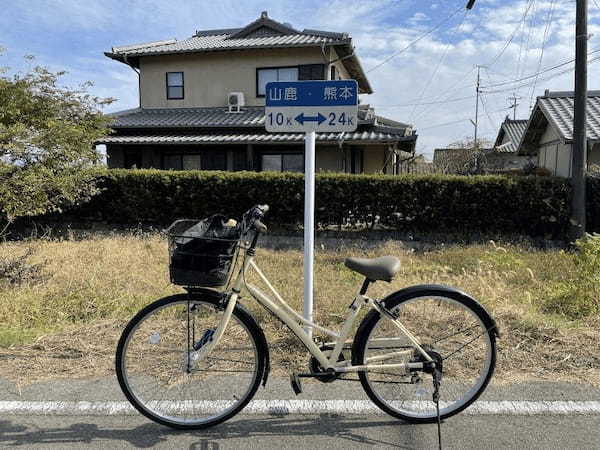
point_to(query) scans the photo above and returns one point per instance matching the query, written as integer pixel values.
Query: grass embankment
(67, 324)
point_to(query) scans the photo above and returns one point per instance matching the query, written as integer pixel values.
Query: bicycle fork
(210, 339)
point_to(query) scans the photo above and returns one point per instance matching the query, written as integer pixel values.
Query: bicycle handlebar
(259, 226)
(254, 215)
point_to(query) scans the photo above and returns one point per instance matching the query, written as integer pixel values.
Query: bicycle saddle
(383, 268)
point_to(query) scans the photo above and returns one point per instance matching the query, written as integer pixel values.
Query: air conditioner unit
(235, 100)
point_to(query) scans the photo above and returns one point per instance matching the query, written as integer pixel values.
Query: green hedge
(535, 206)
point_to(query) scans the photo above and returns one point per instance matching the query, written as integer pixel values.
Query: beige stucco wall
(210, 77)
(329, 159)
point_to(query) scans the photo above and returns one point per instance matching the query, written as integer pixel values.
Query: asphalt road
(325, 431)
(303, 432)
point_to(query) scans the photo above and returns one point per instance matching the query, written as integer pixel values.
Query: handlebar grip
(260, 227)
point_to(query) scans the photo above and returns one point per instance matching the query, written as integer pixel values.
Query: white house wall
(553, 154)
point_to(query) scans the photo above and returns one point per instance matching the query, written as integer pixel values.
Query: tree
(47, 135)
(464, 157)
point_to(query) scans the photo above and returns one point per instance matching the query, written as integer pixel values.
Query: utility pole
(514, 104)
(479, 67)
(579, 153)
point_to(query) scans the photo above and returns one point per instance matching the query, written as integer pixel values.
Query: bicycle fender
(263, 340)
(432, 289)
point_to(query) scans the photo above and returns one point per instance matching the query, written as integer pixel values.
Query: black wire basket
(202, 253)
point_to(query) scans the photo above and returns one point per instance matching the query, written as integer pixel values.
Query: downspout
(139, 80)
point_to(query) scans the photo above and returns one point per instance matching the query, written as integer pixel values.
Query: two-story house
(202, 104)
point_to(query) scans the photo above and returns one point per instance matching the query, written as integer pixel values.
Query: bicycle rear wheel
(449, 326)
(163, 375)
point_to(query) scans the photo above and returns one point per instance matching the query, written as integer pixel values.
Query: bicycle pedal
(296, 384)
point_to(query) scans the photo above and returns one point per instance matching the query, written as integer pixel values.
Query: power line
(530, 26)
(440, 102)
(544, 41)
(439, 64)
(464, 119)
(551, 77)
(492, 124)
(438, 26)
(549, 69)
(514, 33)
(440, 125)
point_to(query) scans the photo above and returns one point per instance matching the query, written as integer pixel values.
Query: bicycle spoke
(156, 374)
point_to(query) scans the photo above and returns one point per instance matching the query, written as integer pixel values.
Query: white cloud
(380, 28)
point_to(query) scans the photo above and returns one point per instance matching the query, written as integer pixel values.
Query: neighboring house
(202, 104)
(504, 154)
(548, 137)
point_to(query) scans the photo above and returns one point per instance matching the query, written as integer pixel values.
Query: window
(286, 162)
(182, 162)
(264, 76)
(311, 72)
(332, 72)
(174, 85)
(132, 159)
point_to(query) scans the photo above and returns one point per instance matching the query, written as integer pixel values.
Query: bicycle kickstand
(437, 375)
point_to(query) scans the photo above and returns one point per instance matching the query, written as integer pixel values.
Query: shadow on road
(150, 434)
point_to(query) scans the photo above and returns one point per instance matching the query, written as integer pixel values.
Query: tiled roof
(558, 107)
(263, 33)
(206, 43)
(189, 118)
(251, 116)
(513, 130)
(373, 136)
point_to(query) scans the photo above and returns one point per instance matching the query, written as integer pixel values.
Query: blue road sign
(323, 106)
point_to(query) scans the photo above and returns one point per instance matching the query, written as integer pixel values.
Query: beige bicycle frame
(295, 322)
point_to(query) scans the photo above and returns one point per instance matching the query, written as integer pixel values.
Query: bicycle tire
(239, 313)
(392, 302)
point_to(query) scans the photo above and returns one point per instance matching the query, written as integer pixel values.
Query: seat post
(365, 286)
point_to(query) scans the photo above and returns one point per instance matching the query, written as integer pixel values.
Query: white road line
(286, 407)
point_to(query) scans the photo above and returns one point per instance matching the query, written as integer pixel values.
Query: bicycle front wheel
(451, 328)
(164, 374)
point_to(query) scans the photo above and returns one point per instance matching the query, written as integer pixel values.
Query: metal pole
(309, 224)
(579, 152)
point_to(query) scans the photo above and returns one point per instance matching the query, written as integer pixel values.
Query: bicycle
(193, 360)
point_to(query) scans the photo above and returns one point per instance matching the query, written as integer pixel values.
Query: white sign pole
(309, 224)
(310, 107)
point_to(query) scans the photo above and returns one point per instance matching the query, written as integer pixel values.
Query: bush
(485, 204)
(18, 270)
(579, 295)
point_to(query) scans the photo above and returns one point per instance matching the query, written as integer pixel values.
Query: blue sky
(72, 35)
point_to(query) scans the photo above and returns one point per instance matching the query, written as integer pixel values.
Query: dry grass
(67, 325)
